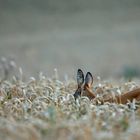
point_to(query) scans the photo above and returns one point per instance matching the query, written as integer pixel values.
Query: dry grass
(46, 109)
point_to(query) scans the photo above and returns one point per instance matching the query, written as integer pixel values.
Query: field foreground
(45, 108)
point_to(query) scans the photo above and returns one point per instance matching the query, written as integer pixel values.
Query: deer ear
(80, 77)
(89, 79)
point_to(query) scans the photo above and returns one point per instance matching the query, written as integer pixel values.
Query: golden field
(44, 108)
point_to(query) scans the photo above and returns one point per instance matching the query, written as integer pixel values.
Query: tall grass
(44, 108)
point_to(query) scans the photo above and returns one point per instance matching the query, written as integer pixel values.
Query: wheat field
(43, 43)
(45, 108)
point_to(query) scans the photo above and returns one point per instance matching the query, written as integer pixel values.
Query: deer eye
(84, 88)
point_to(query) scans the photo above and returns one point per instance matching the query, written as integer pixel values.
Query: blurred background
(101, 36)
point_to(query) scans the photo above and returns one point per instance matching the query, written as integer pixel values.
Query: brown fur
(85, 89)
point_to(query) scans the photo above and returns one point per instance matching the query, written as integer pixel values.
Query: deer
(85, 89)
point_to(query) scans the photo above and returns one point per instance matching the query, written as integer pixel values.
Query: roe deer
(85, 89)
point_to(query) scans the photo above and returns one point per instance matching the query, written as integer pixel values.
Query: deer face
(84, 85)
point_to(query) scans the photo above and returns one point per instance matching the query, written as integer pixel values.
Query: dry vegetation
(45, 108)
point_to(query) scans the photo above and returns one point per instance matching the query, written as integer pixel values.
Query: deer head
(84, 85)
